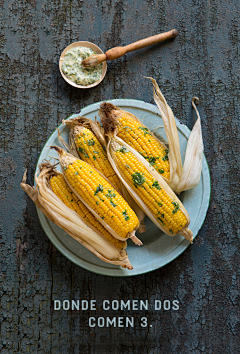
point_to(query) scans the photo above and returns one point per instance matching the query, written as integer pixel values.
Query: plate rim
(120, 272)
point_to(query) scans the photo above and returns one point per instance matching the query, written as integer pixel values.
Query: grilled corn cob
(60, 214)
(91, 150)
(148, 188)
(139, 137)
(106, 204)
(61, 189)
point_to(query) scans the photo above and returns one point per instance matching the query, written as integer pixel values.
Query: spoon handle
(118, 52)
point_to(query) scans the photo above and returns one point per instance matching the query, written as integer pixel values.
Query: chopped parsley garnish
(145, 130)
(91, 142)
(176, 205)
(86, 155)
(80, 149)
(98, 189)
(165, 158)
(127, 127)
(138, 178)
(94, 158)
(103, 217)
(127, 166)
(114, 205)
(170, 230)
(71, 200)
(160, 170)
(161, 220)
(76, 173)
(96, 152)
(125, 215)
(97, 203)
(160, 204)
(152, 159)
(156, 185)
(104, 148)
(110, 194)
(64, 168)
(123, 149)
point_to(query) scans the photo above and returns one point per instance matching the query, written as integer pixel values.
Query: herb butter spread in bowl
(71, 68)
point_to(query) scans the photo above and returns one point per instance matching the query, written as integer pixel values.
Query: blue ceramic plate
(158, 249)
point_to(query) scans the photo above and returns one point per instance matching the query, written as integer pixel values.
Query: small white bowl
(88, 45)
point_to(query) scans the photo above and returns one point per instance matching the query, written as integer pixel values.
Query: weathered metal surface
(202, 61)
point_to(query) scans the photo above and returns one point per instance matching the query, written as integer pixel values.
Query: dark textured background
(203, 61)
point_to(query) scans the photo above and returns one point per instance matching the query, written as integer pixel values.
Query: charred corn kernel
(63, 192)
(140, 138)
(101, 197)
(164, 208)
(91, 151)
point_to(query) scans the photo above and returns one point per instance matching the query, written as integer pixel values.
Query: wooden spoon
(118, 52)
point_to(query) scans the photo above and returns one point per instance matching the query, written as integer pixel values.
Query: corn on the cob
(67, 219)
(139, 137)
(106, 204)
(91, 150)
(97, 157)
(61, 189)
(148, 188)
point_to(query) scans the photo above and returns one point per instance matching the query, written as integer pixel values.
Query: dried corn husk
(188, 176)
(99, 132)
(56, 211)
(65, 159)
(116, 143)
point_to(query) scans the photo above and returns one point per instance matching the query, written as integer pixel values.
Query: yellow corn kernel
(91, 151)
(101, 197)
(164, 208)
(63, 192)
(139, 137)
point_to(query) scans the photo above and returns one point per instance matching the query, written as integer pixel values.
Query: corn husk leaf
(56, 211)
(116, 143)
(99, 133)
(188, 176)
(65, 159)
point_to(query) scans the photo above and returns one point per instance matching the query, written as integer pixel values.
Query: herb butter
(72, 68)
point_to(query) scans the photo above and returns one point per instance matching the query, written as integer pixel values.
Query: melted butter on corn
(91, 151)
(140, 139)
(164, 208)
(101, 197)
(63, 192)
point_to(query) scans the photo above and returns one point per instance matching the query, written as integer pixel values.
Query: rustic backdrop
(202, 61)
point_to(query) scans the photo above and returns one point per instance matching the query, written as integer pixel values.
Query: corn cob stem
(106, 204)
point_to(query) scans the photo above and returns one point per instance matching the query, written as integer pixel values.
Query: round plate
(158, 249)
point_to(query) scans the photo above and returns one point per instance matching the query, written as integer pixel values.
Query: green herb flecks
(110, 194)
(176, 207)
(98, 189)
(91, 142)
(138, 178)
(160, 170)
(165, 158)
(156, 185)
(145, 130)
(123, 149)
(126, 217)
